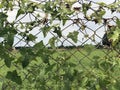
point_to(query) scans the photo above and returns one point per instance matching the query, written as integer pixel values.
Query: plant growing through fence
(38, 67)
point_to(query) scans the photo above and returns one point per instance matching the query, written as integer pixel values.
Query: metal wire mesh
(92, 35)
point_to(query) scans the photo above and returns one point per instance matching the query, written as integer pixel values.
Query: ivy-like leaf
(31, 7)
(45, 58)
(101, 13)
(97, 86)
(84, 9)
(39, 45)
(7, 61)
(96, 57)
(6, 57)
(83, 27)
(88, 48)
(70, 1)
(57, 31)
(49, 68)
(114, 36)
(13, 76)
(45, 30)
(52, 42)
(31, 37)
(10, 39)
(20, 11)
(101, 4)
(25, 61)
(84, 81)
(86, 35)
(3, 16)
(64, 21)
(118, 23)
(73, 36)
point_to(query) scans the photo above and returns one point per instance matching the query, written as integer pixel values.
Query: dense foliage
(38, 67)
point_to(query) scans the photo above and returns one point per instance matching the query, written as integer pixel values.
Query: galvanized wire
(72, 23)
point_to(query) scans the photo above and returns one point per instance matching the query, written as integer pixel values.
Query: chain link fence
(71, 63)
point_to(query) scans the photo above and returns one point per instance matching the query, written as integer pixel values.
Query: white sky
(100, 32)
(105, 1)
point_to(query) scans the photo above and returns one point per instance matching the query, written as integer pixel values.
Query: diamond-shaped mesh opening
(88, 54)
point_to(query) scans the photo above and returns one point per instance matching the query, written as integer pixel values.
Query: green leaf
(80, 88)
(101, 4)
(20, 11)
(83, 27)
(52, 42)
(49, 68)
(31, 37)
(27, 55)
(1, 5)
(84, 81)
(57, 30)
(97, 86)
(10, 39)
(6, 57)
(86, 35)
(10, 5)
(13, 76)
(45, 30)
(88, 48)
(7, 61)
(70, 1)
(64, 21)
(31, 7)
(67, 85)
(118, 23)
(101, 13)
(39, 45)
(45, 58)
(47, 7)
(114, 36)
(96, 57)
(84, 9)
(3, 16)
(25, 61)
(73, 36)
(22, 25)
(38, 49)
